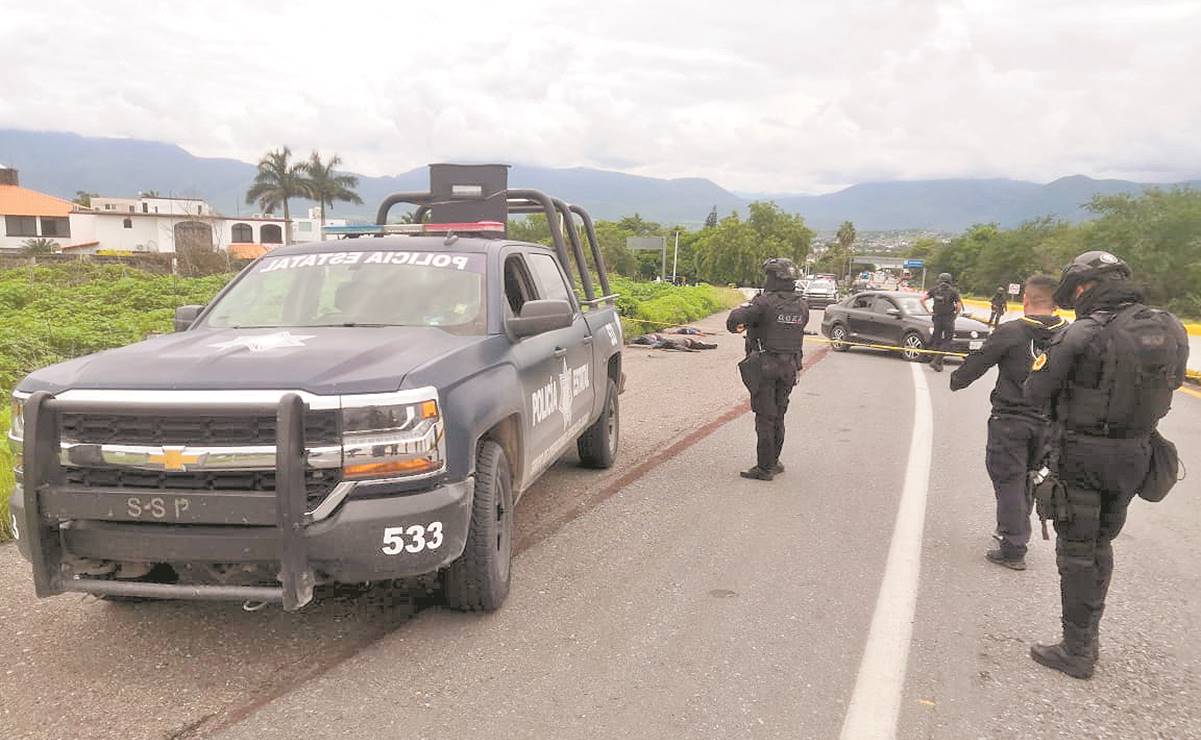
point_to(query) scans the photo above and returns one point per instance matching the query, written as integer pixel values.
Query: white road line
(876, 701)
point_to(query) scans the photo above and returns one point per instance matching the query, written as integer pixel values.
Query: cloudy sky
(759, 96)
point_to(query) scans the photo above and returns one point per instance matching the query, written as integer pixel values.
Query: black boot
(1012, 562)
(1075, 655)
(757, 473)
(777, 468)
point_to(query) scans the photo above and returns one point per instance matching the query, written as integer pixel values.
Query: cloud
(756, 95)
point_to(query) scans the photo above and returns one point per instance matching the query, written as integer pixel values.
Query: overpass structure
(880, 261)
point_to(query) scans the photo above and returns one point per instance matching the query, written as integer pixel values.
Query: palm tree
(327, 186)
(39, 247)
(277, 180)
(846, 240)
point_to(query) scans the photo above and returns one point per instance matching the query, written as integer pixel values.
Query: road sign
(914, 264)
(646, 243)
(1014, 288)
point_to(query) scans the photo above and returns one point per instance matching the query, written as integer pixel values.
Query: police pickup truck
(361, 409)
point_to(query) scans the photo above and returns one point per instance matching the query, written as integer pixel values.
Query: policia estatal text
(1107, 380)
(775, 327)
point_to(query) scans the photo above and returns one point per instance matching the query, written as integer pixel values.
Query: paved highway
(671, 598)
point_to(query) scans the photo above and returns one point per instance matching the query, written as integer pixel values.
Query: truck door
(543, 365)
(578, 341)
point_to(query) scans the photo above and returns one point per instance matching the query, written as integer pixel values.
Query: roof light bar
(470, 227)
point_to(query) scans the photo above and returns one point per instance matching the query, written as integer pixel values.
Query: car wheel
(912, 345)
(838, 338)
(598, 445)
(479, 579)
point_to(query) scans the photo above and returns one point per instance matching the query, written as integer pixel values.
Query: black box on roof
(465, 193)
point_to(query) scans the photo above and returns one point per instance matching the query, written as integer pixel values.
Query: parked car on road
(894, 319)
(820, 293)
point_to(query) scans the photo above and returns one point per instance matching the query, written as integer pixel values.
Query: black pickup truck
(361, 409)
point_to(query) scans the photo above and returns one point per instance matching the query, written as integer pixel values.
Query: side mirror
(539, 317)
(185, 315)
(894, 312)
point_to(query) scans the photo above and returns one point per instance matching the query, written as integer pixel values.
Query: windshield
(358, 289)
(911, 305)
(821, 285)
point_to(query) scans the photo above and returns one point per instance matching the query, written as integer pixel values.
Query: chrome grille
(320, 428)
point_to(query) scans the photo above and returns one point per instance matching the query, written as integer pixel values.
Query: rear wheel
(479, 579)
(838, 338)
(913, 346)
(598, 445)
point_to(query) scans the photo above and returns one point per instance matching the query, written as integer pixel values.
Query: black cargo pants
(941, 336)
(1014, 447)
(1101, 476)
(770, 403)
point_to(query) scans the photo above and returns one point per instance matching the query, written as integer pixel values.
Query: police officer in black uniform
(946, 308)
(1016, 428)
(775, 326)
(1108, 379)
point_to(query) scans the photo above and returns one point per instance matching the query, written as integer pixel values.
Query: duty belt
(1109, 432)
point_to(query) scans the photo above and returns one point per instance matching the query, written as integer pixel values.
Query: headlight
(392, 441)
(16, 428)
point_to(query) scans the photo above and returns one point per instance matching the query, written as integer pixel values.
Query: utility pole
(675, 260)
(663, 251)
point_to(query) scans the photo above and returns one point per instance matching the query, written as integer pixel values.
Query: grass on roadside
(651, 307)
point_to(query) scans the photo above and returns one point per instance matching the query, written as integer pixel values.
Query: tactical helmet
(780, 267)
(1095, 265)
(945, 278)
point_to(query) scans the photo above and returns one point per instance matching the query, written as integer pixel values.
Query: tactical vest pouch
(751, 370)
(1050, 498)
(1164, 470)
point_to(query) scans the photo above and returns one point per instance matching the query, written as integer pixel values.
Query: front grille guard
(40, 463)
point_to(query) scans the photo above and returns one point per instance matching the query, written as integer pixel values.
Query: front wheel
(479, 579)
(838, 338)
(912, 348)
(598, 445)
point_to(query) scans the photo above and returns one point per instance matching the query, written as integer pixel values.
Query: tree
(83, 198)
(39, 247)
(711, 219)
(277, 180)
(149, 194)
(846, 242)
(326, 186)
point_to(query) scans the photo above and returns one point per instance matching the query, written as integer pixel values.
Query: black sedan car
(894, 319)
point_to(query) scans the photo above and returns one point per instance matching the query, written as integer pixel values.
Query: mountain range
(62, 163)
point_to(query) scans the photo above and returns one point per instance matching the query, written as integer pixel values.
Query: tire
(838, 338)
(914, 341)
(598, 445)
(479, 579)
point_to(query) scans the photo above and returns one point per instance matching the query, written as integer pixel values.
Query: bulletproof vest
(942, 297)
(1124, 382)
(783, 325)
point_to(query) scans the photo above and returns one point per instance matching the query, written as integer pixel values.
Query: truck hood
(321, 360)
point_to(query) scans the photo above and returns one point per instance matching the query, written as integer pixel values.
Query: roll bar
(559, 218)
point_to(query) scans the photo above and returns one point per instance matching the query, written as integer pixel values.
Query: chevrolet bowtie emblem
(174, 459)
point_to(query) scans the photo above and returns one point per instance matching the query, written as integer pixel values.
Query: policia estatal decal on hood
(774, 322)
(1106, 381)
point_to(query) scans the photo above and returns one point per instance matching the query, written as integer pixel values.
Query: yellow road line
(1190, 391)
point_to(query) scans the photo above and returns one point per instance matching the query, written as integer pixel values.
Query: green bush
(650, 307)
(53, 313)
